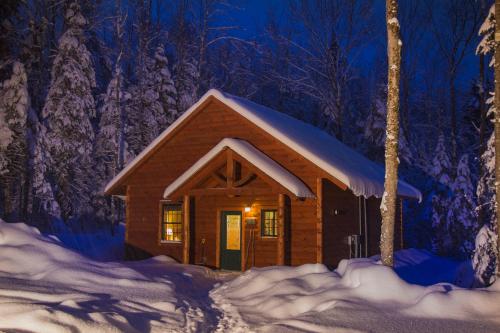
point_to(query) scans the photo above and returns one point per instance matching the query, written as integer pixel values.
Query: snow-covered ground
(362, 295)
(45, 287)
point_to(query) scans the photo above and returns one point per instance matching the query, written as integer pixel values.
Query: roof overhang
(366, 185)
(257, 158)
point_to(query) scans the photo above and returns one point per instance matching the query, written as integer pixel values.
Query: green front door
(230, 240)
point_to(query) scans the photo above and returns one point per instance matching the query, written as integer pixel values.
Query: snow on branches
(440, 170)
(14, 105)
(67, 139)
(487, 30)
(462, 217)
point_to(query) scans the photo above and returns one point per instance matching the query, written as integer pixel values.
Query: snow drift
(27, 254)
(285, 294)
(45, 287)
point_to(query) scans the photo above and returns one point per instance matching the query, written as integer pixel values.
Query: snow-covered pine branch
(461, 219)
(64, 155)
(108, 143)
(165, 85)
(14, 108)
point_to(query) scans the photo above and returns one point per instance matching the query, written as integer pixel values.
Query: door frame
(242, 237)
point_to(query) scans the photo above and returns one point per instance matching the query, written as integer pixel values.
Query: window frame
(163, 223)
(263, 223)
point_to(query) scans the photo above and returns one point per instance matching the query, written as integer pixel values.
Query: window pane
(269, 223)
(172, 223)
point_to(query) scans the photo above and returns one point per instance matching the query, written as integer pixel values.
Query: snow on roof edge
(404, 189)
(254, 156)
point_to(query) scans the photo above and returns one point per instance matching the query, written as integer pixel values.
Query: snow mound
(285, 294)
(27, 254)
(45, 287)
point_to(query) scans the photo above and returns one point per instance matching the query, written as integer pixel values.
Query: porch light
(248, 209)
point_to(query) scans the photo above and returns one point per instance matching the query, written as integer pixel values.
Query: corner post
(186, 231)
(127, 213)
(319, 222)
(281, 230)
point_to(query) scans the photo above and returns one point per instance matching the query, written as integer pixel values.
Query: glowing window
(171, 226)
(269, 223)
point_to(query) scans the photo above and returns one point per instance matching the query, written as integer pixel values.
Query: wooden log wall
(340, 211)
(191, 141)
(317, 229)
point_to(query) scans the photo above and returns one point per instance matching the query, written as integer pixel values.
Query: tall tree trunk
(388, 206)
(497, 129)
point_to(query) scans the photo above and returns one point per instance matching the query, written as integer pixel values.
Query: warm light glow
(247, 209)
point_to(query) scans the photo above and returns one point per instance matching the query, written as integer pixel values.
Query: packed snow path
(191, 285)
(42, 306)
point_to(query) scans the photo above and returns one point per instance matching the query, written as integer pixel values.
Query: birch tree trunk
(388, 206)
(497, 129)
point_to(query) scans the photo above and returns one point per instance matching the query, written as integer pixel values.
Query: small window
(171, 224)
(269, 223)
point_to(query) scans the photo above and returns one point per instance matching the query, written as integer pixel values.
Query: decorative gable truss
(236, 168)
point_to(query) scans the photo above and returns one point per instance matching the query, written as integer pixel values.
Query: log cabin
(232, 184)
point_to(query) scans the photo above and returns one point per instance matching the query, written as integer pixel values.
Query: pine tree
(64, 155)
(165, 85)
(486, 184)
(187, 66)
(440, 171)
(484, 259)
(145, 114)
(153, 103)
(475, 127)
(14, 105)
(441, 163)
(108, 144)
(486, 246)
(5, 140)
(42, 161)
(462, 216)
(487, 30)
(186, 75)
(144, 110)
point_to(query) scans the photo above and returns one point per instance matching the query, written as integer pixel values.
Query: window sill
(269, 237)
(170, 242)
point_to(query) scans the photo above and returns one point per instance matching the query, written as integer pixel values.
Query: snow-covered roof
(254, 156)
(363, 176)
